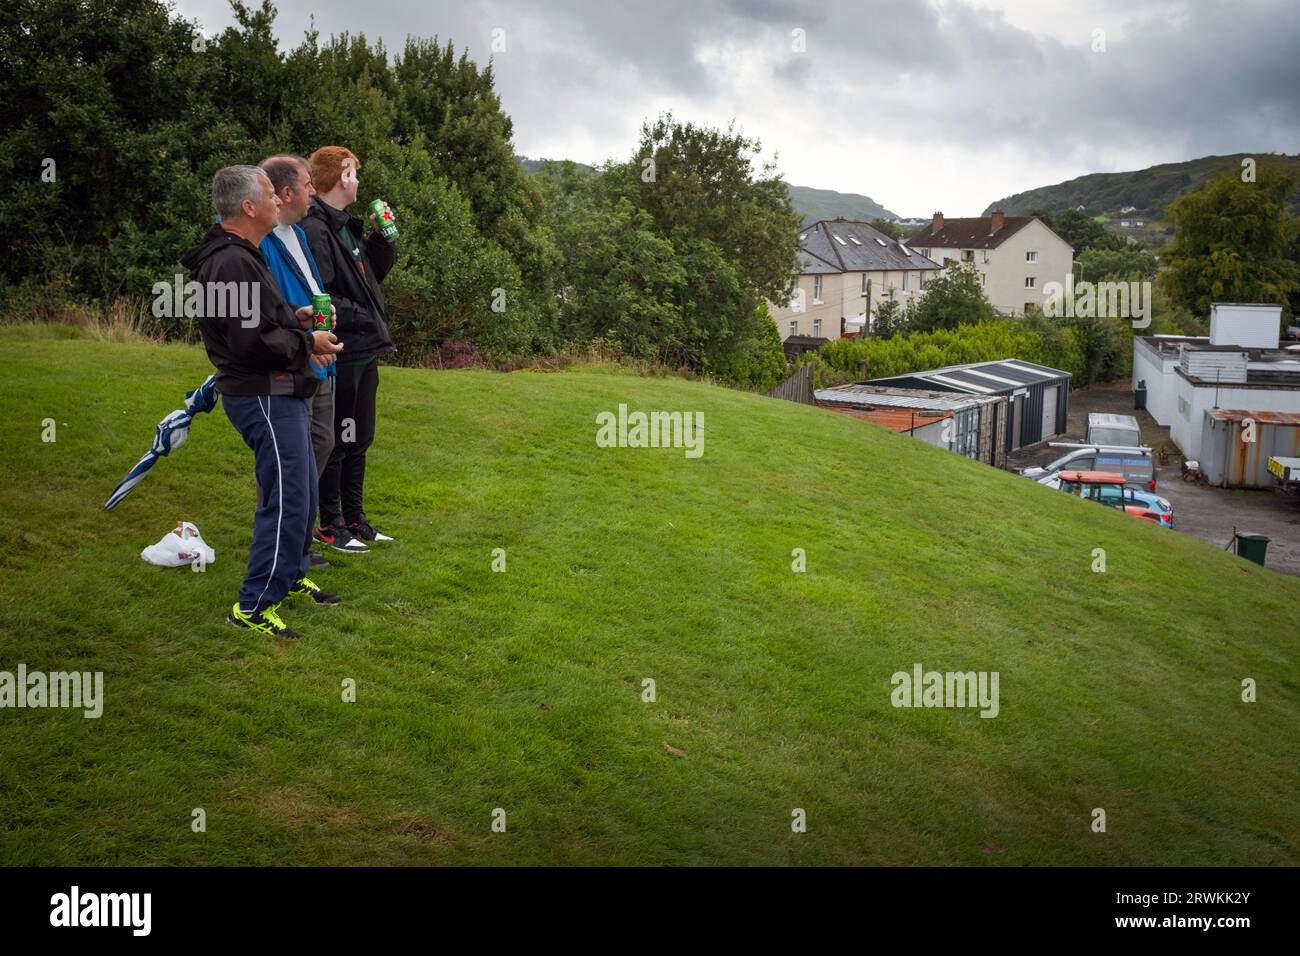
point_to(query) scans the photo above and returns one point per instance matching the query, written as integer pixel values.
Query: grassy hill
(1149, 190)
(811, 204)
(523, 690)
(814, 204)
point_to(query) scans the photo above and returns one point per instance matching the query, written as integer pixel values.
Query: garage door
(1049, 410)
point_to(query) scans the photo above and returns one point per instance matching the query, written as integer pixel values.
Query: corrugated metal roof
(1260, 418)
(984, 378)
(895, 419)
(893, 398)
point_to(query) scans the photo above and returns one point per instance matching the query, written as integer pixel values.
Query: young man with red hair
(352, 264)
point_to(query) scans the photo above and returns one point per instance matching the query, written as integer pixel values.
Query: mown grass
(523, 690)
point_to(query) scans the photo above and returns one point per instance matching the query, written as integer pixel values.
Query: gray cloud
(920, 104)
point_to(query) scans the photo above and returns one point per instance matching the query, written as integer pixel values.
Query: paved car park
(1207, 513)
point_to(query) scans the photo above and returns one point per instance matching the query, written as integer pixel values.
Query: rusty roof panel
(1260, 418)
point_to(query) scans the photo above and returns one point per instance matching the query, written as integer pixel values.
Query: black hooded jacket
(268, 356)
(361, 324)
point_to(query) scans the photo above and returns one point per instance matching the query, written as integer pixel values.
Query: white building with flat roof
(1239, 365)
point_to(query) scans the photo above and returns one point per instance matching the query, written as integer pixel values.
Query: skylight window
(854, 240)
(881, 241)
(839, 240)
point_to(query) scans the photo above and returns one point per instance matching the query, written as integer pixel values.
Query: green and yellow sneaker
(266, 621)
(309, 588)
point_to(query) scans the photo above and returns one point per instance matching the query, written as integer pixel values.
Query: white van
(1134, 463)
(1117, 430)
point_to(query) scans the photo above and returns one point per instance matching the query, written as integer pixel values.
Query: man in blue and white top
(291, 262)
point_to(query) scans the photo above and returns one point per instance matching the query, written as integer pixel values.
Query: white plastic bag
(181, 546)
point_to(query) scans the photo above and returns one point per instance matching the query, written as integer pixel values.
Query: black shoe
(366, 531)
(314, 560)
(339, 538)
(266, 621)
(309, 588)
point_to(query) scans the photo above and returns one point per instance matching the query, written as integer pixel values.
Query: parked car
(1157, 504)
(1112, 490)
(1119, 430)
(1293, 331)
(1133, 462)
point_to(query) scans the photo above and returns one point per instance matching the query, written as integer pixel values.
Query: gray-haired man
(265, 382)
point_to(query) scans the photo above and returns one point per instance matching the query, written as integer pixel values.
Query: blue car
(1158, 505)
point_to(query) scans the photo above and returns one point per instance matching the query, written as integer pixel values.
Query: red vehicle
(1109, 489)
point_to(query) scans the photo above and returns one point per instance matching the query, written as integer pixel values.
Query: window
(1111, 495)
(817, 327)
(1031, 257)
(854, 240)
(839, 240)
(946, 260)
(1028, 306)
(865, 288)
(817, 289)
(1080, 463)
(982, 278)
(904, 281)
(968, 255)
(986, 256)
(880, 242)
(926, 252)
(794, 327)
(1029, 282)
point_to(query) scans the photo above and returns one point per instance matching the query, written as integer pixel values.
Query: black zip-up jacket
(361, 324)
(266, 358)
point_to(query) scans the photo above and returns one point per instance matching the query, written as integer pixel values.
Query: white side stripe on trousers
(279, 494)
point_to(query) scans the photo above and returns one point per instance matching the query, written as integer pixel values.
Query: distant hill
(811, 204)
(814, 204)
(1149, 191)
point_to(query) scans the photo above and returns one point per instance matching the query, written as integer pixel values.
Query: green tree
(1233, 242)
(1100, 265)
(109, 137)
(1081, 231)
(890, 228)
(733, 234)
(890, 318)
(952, 298)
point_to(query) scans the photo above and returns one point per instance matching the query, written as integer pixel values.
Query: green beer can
(384, 218)
(322, 317)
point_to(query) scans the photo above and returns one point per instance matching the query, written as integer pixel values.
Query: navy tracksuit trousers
(278, 430)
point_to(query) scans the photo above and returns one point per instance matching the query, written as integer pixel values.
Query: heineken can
(384, 219)
(322, 316)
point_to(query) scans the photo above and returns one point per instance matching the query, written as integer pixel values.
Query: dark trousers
(322, 422)
(278, 430)
(342, 484)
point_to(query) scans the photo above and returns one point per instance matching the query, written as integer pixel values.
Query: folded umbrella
(170, 434)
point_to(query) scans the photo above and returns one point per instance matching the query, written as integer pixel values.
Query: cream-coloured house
(846, 270)
(1016, 255)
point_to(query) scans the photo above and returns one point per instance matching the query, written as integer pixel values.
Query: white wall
(1188, 419)
(1007, 268)
(1254, 326)
(828, 310)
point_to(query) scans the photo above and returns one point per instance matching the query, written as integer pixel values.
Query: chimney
(936, 224)
(996, 222)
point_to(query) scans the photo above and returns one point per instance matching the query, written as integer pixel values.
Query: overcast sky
(921, 104)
